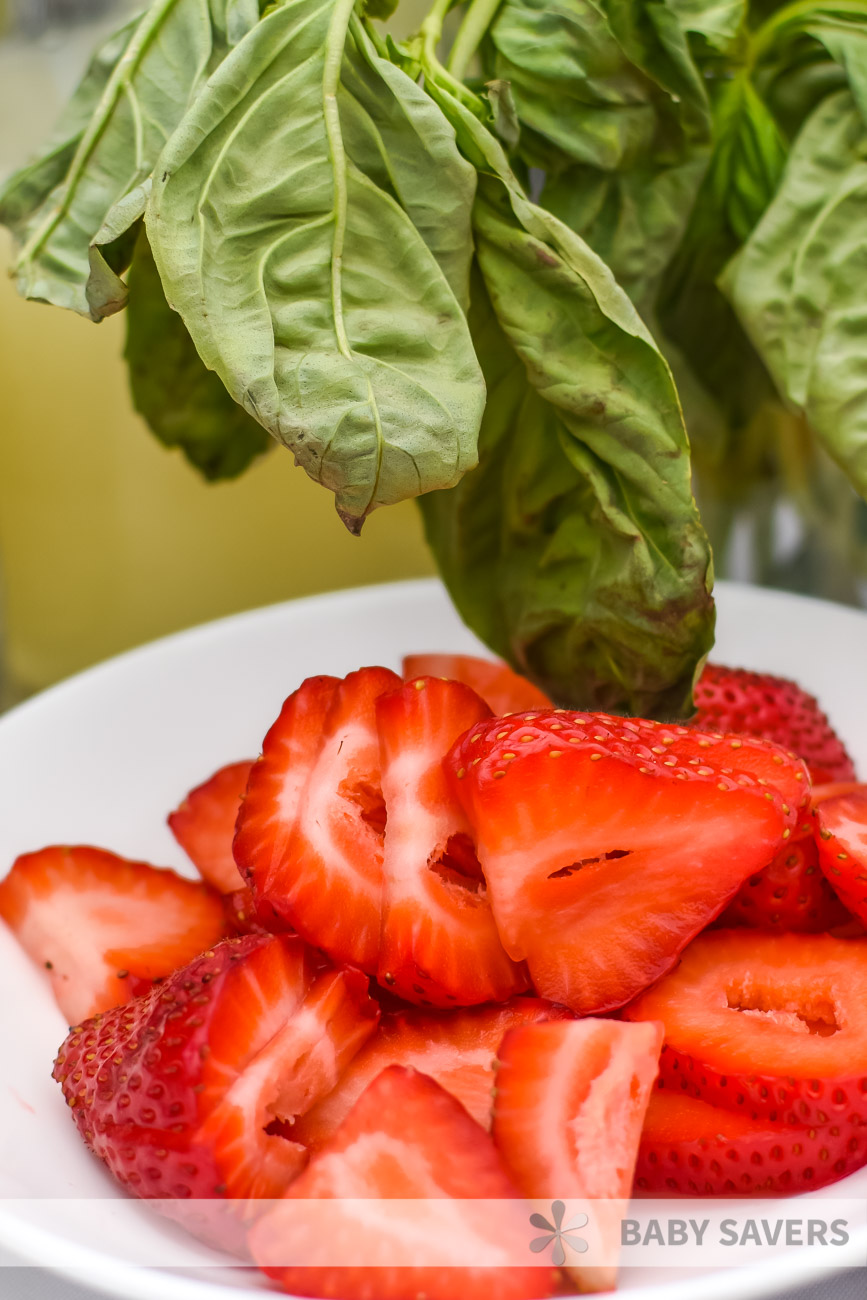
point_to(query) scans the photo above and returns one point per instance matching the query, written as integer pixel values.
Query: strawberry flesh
(502, 690)
(406, 1139)
(757, 704)
(457, 1050)
(842, 842)
(204, 825)
(103, 927)
(440, 945)
(608, 844)
(177, 1091)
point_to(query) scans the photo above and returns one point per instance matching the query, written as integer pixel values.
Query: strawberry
(842, 841)
(501, 689)
(176, 1091)
(405, 1139)
(104, 927)
(774, 708)
(770, 1025)
(689, 1148)
(607, 844)
(204, 825)
(309, 838)
(439, 943)
(789, 894)
(568, 1111)
(457, 1050)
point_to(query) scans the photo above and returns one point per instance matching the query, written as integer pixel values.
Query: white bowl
(102, 758)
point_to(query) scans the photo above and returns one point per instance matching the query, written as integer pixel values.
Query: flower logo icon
(558, 1233)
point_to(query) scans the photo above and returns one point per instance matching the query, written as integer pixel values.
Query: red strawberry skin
(842, 841)
(309, 839)
(439, 945)
(406, 1138)
(689, 1148)
(789, 894)
(103, 927)
(458, 1050)
(204, 825)
(174, 1091)
(774, 708)
(607, 844)
(502, 690)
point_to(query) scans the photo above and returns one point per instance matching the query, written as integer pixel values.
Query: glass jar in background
(107, 539)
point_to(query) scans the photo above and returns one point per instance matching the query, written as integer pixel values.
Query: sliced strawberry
(245, 916)
(204, 825)
(103, 927)
(606, 848)
(819, 793)
(310, 830)
(689, 1148)
(789, 894)
(405, 1139)
(501, 689)
(842, 841)
(457, 1050)
(772, 1025)
(177, 1090)
(733, 699)
(439, 943)
(568, 1111)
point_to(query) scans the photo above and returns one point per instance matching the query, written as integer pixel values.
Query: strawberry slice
(439, 944)
(789, 894)
(176, 1091)
(103, 927)
(204, 825)
(310, 831)
(607, 845)
(842, 841)
(568, 1111)
(501, 689)
(771, 1025)
(457, 1050)
(405, 1139)
(733, 699)
(689, 1148)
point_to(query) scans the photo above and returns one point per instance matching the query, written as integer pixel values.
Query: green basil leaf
(112, 252)
(184, 404)
(142, 100)
(281, 237)
(722, 23)
(575, 549)
(798, 283)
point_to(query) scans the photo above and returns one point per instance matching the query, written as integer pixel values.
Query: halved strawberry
(773, 1025)
(177, 1090)
(457, 1050)
(842, 842)
(789, 894)
(568, 1110)
(689, 1148)
(502, 690)
(439, 944)
(406, 1140)
(607, 846)
(757, 704)
(310, 831)
(204, 825)
(103, 927)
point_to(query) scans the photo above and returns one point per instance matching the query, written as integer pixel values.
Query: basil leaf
(142, 100)
(575, 549)
(797, 285)
(281, 238)
(112, 251)
(184, 404)
(722, 23)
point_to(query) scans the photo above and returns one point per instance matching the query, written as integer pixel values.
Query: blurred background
(107, 539)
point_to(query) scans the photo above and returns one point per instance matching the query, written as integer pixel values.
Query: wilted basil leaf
(798, 284)
(184, 404)
(291, 238)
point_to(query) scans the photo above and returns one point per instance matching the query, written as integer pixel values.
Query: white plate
(102, 758)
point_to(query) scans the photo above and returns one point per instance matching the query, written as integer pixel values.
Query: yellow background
(106, 538)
